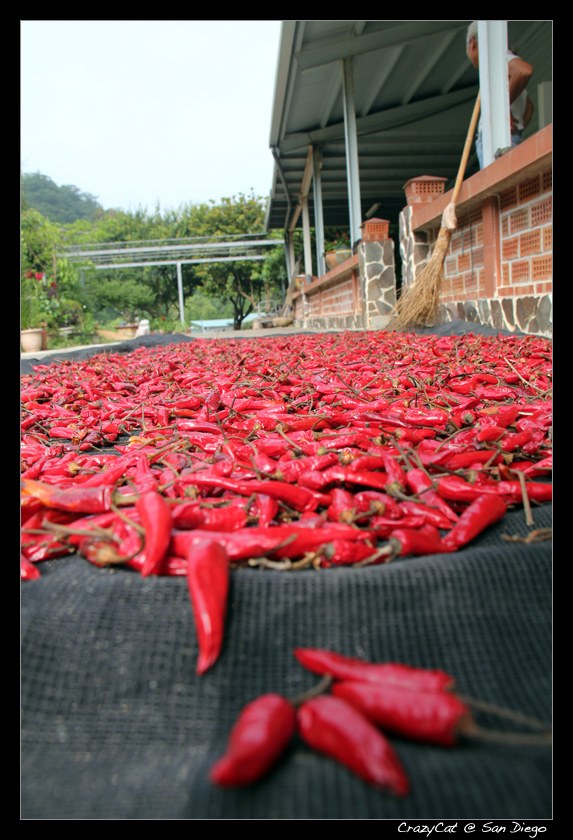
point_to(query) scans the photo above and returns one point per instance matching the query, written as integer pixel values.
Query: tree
(63, 204)
(240, 281)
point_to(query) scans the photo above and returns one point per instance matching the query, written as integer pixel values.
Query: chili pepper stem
(534, 536)
(501, 711)
(472, 731)
(320, 688)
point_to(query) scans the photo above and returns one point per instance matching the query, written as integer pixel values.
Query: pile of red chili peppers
(281, 452)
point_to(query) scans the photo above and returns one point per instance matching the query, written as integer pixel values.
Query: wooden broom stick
(418, 304)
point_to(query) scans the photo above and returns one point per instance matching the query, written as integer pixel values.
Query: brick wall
(499, 266)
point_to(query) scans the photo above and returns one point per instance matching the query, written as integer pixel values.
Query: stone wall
(377, 271)
(360, 293)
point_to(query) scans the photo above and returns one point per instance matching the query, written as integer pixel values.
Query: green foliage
(215, 290)
(63, 204)
(336, 239)
(240, 282)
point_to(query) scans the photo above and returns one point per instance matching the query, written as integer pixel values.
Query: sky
(142, 114)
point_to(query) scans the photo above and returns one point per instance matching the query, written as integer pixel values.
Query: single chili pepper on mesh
(334, 727)
(208, 583)
(486, 510)
(436, 717)
(342, 667)
(259, 737)
(155, 516)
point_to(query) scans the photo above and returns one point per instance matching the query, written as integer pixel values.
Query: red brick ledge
(533, 154)
(339, 272)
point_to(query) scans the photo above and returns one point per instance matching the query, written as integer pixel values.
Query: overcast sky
(140, 112)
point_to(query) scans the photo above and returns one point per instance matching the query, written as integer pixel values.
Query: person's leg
(479, 149)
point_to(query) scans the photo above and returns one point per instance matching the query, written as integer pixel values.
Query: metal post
(306, 240)
(180, 290)
(494, 87)
(318, 216)
(351, 142)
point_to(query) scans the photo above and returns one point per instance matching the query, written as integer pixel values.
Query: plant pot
(31, 340)
(343, 254)
(331, 259)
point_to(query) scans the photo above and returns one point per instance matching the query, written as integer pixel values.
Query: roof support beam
(302, 207)
(351, 141)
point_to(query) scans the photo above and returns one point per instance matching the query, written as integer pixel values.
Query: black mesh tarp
(115, 724)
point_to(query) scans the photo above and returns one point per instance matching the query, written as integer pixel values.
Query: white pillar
(318, 217)
(180, 290)
(494, 87)
(351, 142)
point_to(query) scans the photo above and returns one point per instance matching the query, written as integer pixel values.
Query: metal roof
(414, 90)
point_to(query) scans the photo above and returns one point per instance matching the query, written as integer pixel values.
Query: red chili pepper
(208, 582)
(454, 488)
(262, 732)
(80, 500)
(155, 516)
(420, 542)
(434, 717)
(346, 553)
(429, 514)
(193, 515)
(28, 571)
(486, 510)
(402, 676)
(332, 726)
(537, 491)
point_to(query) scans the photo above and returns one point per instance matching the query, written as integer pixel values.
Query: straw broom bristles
(418, 305)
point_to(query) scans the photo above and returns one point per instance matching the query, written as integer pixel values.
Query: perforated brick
(450, 266)
(548, 238)
(508, 198)
(541, 212)
(464, 262)
(510, 248)
(529, 189)
(505, 226)
(475, 215)
(546, 180)
(519, 220)
(505, 274)
(468, 237)
(530, 243)
(542, 267)
(520, 272)
(424, 189)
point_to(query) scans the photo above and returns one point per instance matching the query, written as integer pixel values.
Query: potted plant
(32, 311)
(337, 249)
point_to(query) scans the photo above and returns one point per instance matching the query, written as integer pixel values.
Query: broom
(418, 304)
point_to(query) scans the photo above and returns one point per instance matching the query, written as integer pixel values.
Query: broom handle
(467, 147)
